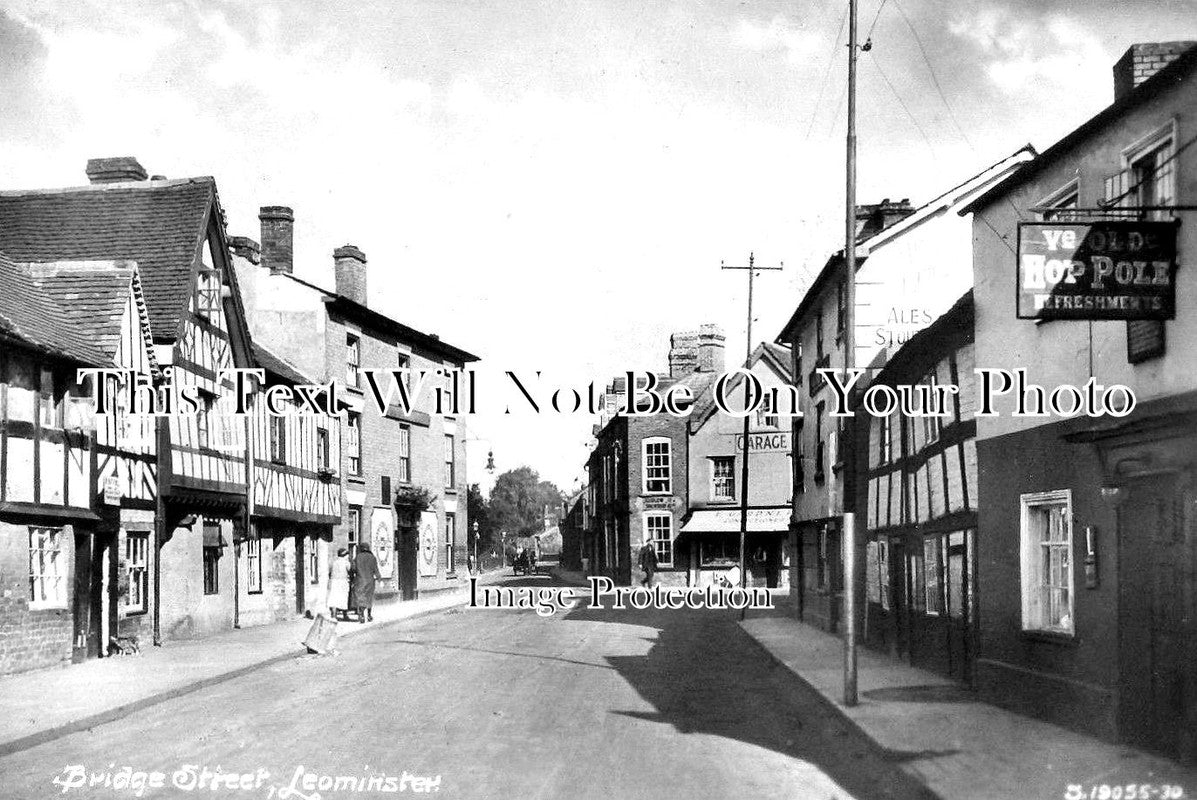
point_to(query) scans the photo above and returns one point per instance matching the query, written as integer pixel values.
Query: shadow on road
(704, 675)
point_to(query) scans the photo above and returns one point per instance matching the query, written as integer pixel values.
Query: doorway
(1157, 619)
(407, 551)
(94, 602)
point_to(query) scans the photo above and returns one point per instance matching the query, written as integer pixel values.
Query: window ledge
(1050, 637)
(47, 606)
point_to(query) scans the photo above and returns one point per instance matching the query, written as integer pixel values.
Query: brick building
(1086, 533)
(638, 469)
(336, 335)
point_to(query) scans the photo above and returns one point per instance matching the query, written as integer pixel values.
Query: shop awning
(727, 520)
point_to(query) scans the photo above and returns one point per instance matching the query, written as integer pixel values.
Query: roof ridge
(207, 180)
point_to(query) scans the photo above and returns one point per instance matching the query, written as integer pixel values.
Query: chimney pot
(119, 169)
(278, 238)
(349, 264)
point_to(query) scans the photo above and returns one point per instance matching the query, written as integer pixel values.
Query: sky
(553, 185)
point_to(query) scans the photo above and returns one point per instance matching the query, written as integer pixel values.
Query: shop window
(253, 566)
(353, 529)
(955, 574)
(918, 581)
(719, 551)
(658, 529)
(657, 466)
(137, 548)
(883, 572)
(723, 478)
(827, 557)
(212, 548)
(47, 568)
(1046, 534)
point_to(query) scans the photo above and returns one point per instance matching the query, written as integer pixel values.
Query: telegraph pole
(848, 532)
(752, 270)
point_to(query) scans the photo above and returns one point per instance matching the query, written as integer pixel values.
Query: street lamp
(477, 565)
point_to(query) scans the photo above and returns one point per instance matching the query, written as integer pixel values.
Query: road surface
(488, 704)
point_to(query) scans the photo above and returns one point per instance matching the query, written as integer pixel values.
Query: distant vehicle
(524, 563)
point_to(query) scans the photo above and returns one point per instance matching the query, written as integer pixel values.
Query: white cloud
(779, 34)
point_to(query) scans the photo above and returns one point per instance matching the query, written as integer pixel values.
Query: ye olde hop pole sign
(1115, 269)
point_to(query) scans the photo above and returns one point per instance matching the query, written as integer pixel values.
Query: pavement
(42, 705)
(954, 744)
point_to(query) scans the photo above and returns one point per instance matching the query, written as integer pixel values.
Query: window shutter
(386, 490)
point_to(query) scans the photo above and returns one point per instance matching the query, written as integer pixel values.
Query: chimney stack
(350, 265)
(1143, 60)
(278, 235)
(119, 169)
(696, 351)
(710, 348)
(246, 248)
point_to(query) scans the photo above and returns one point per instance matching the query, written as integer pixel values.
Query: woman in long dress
(338, 584)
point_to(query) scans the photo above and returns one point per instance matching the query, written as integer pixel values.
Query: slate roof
(159, 224)
(278, 368)
(72, 310)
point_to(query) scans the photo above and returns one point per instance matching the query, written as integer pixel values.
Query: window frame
(353, 360)
(1031, 568)
(353, 436)
(648, 469)
(211, 566)
(209, 288)
(404, 452)
(450, 443)
(450, 528)
(277, 428)
(353, 528)
(1164, 136)
(662, 547)
(313, 555)
(253, 565)
(729, 478)
(323, 448)
(1064, 198)
(37, 569)
(137, 572)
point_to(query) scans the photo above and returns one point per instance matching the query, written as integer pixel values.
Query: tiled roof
(159, 224)
(73, 310)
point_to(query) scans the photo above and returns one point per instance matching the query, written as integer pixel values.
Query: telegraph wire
(826, 75)
(902, 103)
(934, 79)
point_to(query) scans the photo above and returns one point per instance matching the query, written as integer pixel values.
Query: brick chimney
(350, 265)
(246, 248)
(710, 348)
(872, 219)
(696, 351)
(119, 169)
(1143, 60)
(278, 238)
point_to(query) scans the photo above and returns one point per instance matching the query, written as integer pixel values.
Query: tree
(518, 502)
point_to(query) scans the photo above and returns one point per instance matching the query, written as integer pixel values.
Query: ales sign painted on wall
(1111, 269)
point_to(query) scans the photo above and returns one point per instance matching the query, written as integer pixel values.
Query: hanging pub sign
(1108, 269)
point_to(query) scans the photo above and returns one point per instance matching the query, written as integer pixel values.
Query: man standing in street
(365, 572)
(648, 563)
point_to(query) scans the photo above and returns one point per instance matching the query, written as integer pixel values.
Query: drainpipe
(162, 436)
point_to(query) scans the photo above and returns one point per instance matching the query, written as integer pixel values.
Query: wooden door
(301, 581)
(407, 553)
(1158, 617)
